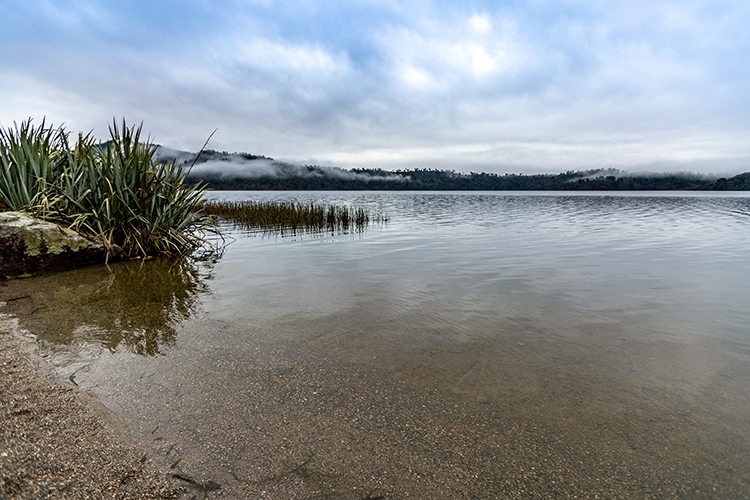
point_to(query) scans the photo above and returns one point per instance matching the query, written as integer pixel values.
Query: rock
(30, 246)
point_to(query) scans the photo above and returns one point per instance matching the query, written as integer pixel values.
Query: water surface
(479, 345)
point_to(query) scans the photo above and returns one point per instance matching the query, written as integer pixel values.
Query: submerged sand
(391, 441)
(58, 442)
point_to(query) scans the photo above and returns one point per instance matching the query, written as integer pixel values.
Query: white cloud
(418, 78)
(515, 88)
(481, 62)
(480, 23)
(26, 97)
(449, 55)
(311, 60)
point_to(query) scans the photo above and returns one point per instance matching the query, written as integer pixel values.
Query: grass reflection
(136, 305)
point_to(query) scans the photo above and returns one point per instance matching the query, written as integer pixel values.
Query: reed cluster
(114, 191)
(274, 216)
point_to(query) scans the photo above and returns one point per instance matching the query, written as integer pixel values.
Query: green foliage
(114, 191)
(28, 156)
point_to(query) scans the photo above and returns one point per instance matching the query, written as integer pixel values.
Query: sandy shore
(58, 442)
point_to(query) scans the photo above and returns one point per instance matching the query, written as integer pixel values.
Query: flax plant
(28, 157)
(115, 191)
(118, 192)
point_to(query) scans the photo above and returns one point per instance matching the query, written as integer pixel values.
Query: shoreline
(59, 442)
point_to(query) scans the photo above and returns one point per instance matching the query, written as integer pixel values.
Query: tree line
(318, 178)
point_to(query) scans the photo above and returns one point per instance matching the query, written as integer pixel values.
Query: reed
(113, 191)
(283, 217)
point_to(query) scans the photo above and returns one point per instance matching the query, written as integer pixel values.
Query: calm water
(479, 345)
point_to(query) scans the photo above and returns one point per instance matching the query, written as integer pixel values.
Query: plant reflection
(137, 305)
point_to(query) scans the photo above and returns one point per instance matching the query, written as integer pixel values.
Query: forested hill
(428, 180)
(241, 171)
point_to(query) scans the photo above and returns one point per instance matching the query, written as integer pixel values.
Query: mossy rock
(30, 246)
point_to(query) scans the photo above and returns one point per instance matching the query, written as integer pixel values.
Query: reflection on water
(133, 305)
(482, 345)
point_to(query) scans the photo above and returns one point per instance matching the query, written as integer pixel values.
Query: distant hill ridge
(243, 171)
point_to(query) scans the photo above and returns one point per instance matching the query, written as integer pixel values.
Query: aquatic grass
(115, 191)
(283, 217)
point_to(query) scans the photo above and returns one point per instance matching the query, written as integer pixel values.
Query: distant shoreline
(248, 172)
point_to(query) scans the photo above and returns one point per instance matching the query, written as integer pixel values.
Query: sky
(498, 86)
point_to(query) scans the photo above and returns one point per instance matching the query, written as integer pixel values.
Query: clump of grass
(114, 191)
(28, 159)
(282, 217)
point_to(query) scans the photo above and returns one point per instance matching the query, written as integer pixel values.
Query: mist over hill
(243, 171)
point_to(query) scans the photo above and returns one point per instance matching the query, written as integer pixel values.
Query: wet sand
(57, 442)
(313, 425)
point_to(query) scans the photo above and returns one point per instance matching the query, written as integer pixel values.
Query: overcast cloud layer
(529, 87)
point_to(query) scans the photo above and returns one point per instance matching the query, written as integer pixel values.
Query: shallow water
(478, 345)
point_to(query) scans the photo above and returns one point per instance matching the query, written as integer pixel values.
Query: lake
(478, 345)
